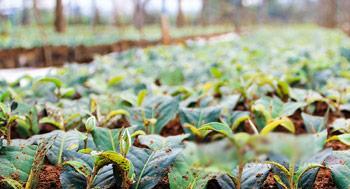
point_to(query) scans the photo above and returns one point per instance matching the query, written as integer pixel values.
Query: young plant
(241, 141)
(90, 125)
(293, 176)
(8, 119)
(101, 159)
(271, 113)
(293, 159)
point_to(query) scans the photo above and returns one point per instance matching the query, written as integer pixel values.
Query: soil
(49, 177)
(173, 128)
(321, 108)
(123, 122)
(324, 180)
(213, 184)
(270, 182)
(46, 128)
(337, 145)
(163, 184)
(298, 122)
(241, 106)
(138, 144)
(346, 114)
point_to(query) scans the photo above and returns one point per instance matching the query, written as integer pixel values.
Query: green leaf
(199, 163)
(105, 139)
(79, 167)
(237, 118)
(57, 82)
(13, 184)
(340, 167)
(151, 165)
(218, 127)
(254, 175)
(53, 122)
(279, 181)
(163, 109)
(62, 142)
(344, 138)
(284, 122)
(70, 178)
(313, 124)
(341, 124)
(301, 171)
(172, 76)
(273, 108)
(284, 145)
(16, 162)
(111, 157)
(115, 80)
(193, 118)
(140, 97)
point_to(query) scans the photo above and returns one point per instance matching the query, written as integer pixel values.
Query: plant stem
(256, 132)
(8, 135)
(90, 179)
(86, 140)
(240, 173)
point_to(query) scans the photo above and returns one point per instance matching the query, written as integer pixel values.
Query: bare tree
(238, 16)
(97, 18)
(263, 11)
(60, 22)
(116, 20)
(164, 22)
(139, 13)
(204, 12)
(25, 13)
(328, 13)
(180, 19)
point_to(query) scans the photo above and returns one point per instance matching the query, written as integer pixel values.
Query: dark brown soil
(270, 182)
(46, 128)
(173, 128)
(163, 184)
(346, 114)
(324, 180)
(138, 144)
(298, 122)
(121, 123)
(321, 108)
(241, 106)
(213, 184)
(337, 145)
(49, 177)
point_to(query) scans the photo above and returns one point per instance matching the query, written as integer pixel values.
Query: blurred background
(37, 23)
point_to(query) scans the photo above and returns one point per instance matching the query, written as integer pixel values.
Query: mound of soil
(49, 177)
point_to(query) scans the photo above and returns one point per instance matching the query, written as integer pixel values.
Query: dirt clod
(49, 177)
(324, 180)
(270, 182)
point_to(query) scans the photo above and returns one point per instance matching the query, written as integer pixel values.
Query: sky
(125, 6)
(106, 6)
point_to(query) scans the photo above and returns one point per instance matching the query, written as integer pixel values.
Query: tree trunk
(165, 24)
(328, 13)
(344, 7)
(204, 15)
(25, 13)
(263, 12)
(116, 20)
(238, 16)
(139, 14)
(60, 22)
(180, 19)
(97, 18)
